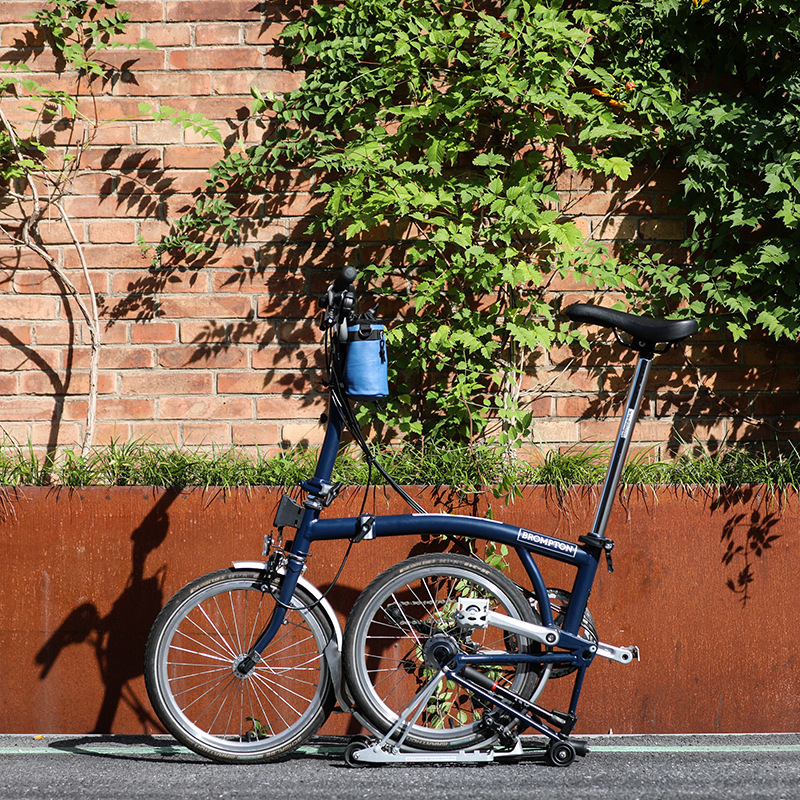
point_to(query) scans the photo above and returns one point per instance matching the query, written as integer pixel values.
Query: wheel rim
(213, 705)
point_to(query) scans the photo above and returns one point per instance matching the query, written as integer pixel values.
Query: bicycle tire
(384, 649)
(193, 648)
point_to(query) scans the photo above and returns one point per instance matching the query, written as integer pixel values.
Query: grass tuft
(437, 463)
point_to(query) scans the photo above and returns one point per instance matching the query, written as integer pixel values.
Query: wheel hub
(235, 667)
(439, 649)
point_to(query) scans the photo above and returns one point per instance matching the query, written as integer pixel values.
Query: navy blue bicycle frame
(584, 557)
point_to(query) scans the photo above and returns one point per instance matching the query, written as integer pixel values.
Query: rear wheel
(406, 616)
(195, 645)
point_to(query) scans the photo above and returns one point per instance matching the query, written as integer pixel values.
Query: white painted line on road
(692, 748)
(136, 749)
(328, 749)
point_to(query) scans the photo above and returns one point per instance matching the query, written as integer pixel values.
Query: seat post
(623, 441)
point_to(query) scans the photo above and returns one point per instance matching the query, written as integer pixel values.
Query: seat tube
(622, 444)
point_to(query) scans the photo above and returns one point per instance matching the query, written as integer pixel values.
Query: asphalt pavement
(740, 767)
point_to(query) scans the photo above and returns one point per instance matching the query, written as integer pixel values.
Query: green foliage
(448, 124)
(185, 119)
(717, 85)
(79, 30)
(466, 469)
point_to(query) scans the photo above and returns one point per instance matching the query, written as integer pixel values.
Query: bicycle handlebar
(340, 299)
(345, 279)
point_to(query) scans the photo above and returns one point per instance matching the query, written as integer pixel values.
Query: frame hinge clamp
(365, 528)
(600, 543)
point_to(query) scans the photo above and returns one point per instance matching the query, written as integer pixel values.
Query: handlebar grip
(346, 277)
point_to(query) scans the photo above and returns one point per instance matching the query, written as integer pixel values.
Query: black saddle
(645, 331)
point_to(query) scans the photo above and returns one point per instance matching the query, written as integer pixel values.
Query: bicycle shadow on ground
(128, 748)
(119, 638)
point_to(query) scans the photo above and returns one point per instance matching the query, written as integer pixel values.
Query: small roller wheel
(560, 754)
(354, 747)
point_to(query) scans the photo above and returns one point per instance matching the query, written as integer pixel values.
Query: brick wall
(225, 352)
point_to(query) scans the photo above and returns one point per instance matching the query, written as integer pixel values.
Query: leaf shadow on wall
(747, 536)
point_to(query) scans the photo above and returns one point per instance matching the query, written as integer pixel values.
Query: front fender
(311, 589)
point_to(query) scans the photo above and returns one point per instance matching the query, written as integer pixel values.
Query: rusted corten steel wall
(705, 587)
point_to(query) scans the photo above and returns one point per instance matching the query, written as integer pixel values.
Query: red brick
(302, 433)
(88, 206)
(111, 433)
(204, 332)
(160, 382)
(662, 179)
(32, 308)
(568, 181)
(669, 229)
(16, 334)
(239, 83)
(154, 333)
(136, 60)
(293, 307)
(16, 258)
(242, 383)
(290, 358)
(261, 33)
(111, 332)
(213, 357)
(115, 358)
(202, 408)
(54, 333)
(118, 230)
(212, 10)
(170, 34)
(167, 433)
(212, 308)
(290, 407)
(125, 158)
(31, 281)
(9, 384)
(18, 10)
(205, 58)
(17, 36)
(623, 228)
(27, 408)
(38, 382)
(205, 434)
(143, 10)
(304, 332)
(147, 281)
(112, 408)
(261, 433)
(259, 282)
(191, 157)
(217, 33)
(161, 132)
(167, 85)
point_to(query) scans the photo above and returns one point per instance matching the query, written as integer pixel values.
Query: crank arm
(539, 633)
(624, 655)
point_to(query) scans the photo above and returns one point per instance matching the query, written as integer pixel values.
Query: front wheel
(392, 637)
(194, 647)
